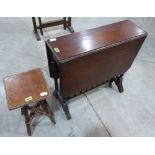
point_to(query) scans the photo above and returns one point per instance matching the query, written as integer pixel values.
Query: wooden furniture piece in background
(25, 88)
(66, 22)
(81, 61)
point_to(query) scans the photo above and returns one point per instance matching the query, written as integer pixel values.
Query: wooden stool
(65, 21)
(26, 88)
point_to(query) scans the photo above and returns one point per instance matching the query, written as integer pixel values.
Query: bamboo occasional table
(84, 60)
(25, 88)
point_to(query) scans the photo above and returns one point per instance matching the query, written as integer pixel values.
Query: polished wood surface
(77, 44)
(20, 86)
(90, 58)
(79, 75)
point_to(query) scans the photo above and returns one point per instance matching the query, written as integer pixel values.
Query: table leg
(63, 104)
(118, 81)
(35, 28)
(56, 84)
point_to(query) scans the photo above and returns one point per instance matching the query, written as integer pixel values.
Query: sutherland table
(84, 60)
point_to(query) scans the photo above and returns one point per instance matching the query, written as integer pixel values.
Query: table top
(77, 44)
(25, 88)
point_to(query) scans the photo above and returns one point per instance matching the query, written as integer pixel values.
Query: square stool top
(25, 88)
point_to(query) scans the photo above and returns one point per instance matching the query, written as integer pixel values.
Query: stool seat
(25, 88)
(25, 85)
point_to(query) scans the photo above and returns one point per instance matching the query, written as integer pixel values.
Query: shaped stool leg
(70, 28)
(40, 25)
(35, 28)
(27, 120)
(47, 109)
(65, 23)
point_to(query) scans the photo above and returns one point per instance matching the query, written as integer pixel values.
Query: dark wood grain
(93, 57)
(80, 43)
(85, 72)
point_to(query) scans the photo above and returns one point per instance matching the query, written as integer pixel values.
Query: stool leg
(27, 121)
(40, 25)
(69, 21)
(65, 23)
(70, 28)
(46, 108)
(22, 111)
(35, 28)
